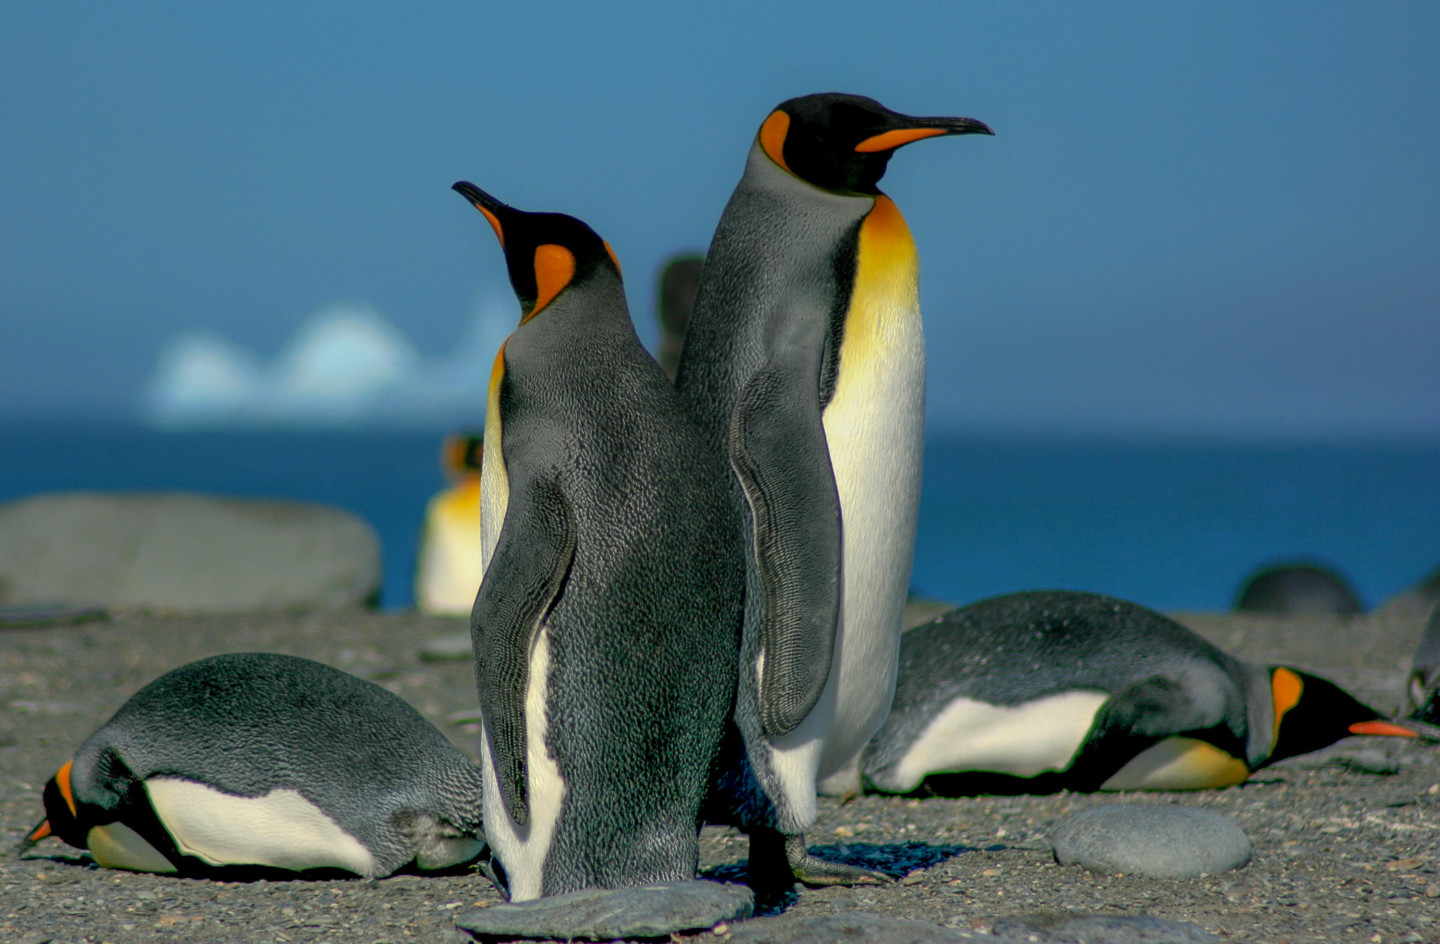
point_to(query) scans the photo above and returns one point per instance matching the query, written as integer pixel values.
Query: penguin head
(842, 142)
(460, 455)
(545, 253)
(62, 814)
(1311, 713)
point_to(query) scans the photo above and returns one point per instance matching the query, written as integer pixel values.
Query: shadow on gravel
(895, 859)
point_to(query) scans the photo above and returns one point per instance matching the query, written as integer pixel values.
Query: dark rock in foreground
(651, 911)
(1155, 841)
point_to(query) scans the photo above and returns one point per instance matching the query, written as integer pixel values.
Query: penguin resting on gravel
(804, 362)
(607, 625)
(1050, 690)
(259, 760)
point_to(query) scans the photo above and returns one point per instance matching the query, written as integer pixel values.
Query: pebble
(453, 648)
(1153, 841)
(603, 914)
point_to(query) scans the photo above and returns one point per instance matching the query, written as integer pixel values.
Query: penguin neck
(762, 173)
(1259, 714)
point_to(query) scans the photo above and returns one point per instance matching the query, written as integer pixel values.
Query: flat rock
(1155, 841)
(650, 911)
(1099, 929)
(176, 552)
(856, 926)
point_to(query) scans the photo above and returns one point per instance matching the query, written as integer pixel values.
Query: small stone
(1432, 891)
(1154, 841)
(605, 914)
(453, 648)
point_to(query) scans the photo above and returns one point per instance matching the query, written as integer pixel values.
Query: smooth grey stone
(1100, 929)
(603, 914)
(176, 552)
(855, 926)
(1155, 841)
(453, 648)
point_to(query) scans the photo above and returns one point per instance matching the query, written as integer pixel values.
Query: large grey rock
(1156, 841)
(184, 553)
(650, 911)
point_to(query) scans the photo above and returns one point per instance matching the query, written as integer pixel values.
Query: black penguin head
(460, 455)
(842, 142)
(62, 815)
(545, 253)
(1311, 713)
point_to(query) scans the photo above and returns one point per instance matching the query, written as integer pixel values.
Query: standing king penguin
(804, 362)
(608, 620)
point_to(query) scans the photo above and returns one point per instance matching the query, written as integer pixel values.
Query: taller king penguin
(805, 362)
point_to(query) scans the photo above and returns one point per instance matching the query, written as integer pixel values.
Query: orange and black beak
(916, 129)
(34, 836)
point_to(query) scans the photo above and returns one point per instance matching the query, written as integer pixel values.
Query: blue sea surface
(1171, 524)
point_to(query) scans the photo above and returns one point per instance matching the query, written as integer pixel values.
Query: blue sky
(1218, 218)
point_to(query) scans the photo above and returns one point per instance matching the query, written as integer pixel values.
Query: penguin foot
(779, 861)
(815, 872)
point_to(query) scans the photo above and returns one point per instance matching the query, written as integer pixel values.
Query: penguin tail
(34, 836)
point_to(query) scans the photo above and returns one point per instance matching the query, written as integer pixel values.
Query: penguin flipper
(778, 451)
(525, 577)
(1132, 720)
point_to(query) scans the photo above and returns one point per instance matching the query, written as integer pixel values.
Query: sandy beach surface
(1346, 842)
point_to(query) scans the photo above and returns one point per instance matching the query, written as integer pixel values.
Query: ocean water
(1172, 524)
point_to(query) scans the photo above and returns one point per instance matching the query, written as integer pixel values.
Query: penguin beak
(492, 209)
(1382, 729)
(916, 129)
(35, 835)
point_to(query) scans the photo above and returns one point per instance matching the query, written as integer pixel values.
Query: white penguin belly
(1020, 740)
(522, 849)
(875, 430)
(280, 829)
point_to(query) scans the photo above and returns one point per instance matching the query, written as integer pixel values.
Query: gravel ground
(1346, 842)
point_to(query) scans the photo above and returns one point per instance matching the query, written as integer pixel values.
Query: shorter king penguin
(1039, 691)
(447, 564)
(263, 760)
(607, 623)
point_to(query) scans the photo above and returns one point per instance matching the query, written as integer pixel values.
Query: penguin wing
(526, 575)
(1134, 719)
(779, 453)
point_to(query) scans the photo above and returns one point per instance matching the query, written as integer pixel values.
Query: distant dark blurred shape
(1423, 690)
(679, 280)
(1298, 587)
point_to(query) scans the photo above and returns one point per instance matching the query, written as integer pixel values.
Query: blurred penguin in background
(447, 562)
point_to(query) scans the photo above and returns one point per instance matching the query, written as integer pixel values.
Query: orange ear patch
(62, 780)
(613, 258)
(1286, 687)
(554, 268)
(772, 137)
(893, 139)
